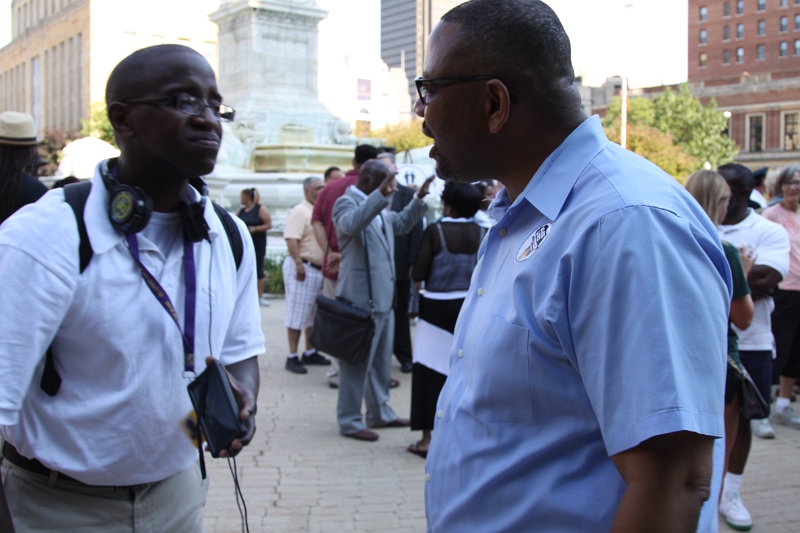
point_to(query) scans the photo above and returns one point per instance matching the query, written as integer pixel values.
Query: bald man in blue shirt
(587, 371)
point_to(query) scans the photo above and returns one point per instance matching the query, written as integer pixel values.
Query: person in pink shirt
(786, 316)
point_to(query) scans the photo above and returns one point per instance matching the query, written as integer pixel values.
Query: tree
(404, 136)
(98, 125)
(50, 149)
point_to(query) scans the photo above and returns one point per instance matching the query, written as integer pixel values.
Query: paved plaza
(299, 475)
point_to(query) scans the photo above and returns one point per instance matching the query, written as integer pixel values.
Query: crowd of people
(591, 340)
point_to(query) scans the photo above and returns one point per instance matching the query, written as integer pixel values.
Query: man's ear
(119, 116)
(498, 104)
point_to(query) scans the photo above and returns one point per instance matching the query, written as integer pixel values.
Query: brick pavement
(299, 475)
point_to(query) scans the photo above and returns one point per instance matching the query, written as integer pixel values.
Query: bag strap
(234, 237)
(369, 274)
(76, 195)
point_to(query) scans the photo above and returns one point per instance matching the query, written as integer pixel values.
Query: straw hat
(17, 129)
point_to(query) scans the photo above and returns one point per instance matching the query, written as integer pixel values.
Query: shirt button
(440, 413)
(427, 476)
(461, 353)
(502, 232)
(480, 291)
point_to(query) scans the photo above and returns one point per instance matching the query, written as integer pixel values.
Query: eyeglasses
(793, 183)
(189, 105)
(423, 84)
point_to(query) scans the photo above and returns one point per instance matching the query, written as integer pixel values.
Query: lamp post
(623, 132)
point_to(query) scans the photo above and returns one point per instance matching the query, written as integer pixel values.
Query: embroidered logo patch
(533, 242)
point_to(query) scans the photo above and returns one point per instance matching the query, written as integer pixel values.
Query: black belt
(32, 465)
(309, 263)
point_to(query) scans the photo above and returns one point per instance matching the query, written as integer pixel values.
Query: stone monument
(268, 73)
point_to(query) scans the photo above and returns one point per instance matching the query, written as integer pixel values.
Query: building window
(791, 133)
(364, 89)
(703, 60)
(703, 36)
(762, 27)
(784, 3)
(756, 123)
(726, 57)
(726, 9)
(726, 33)
(740, 55)
(784, 24)
(762, 5)
(797, 22)
(740, 7)
(740, 31)
(761, 52)
(783, 51)
(797, 47)
(209, 51)
(703, 14)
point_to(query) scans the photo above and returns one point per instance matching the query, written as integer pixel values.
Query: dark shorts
(786, 329)
(759, 365)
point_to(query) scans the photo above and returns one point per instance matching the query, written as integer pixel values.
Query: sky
(649, 38)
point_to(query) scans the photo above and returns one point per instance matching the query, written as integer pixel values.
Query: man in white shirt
(109, 449)
(744, 227)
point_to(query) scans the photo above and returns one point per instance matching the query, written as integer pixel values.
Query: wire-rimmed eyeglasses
(189, 105)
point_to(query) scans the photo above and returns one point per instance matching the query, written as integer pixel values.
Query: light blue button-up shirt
(596, 319)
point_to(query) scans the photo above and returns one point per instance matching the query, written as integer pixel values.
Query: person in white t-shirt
(770, 242)
(112, 449)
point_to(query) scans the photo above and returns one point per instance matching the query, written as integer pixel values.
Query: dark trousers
(786, 329)
(402, 328)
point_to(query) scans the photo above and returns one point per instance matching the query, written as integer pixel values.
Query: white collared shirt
(116, 418)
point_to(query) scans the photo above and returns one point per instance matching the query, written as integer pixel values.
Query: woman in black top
(258, 221)
(448, 255)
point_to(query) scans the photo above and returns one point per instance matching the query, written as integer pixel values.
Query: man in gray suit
(360, 217)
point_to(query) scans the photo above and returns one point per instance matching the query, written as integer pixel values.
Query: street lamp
(623, 134)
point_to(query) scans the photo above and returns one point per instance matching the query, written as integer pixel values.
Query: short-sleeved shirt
(298, 227)
(740, 290)
(117, 418)
(791, 223)
(596, 319)
(323, 209)
(771, 244)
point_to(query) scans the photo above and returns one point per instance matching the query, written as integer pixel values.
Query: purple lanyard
(190, 299)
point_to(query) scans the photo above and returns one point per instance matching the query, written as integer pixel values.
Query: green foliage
(273, 272)
(50, 149)
(698, 130)
(98, 125)
(404, 136)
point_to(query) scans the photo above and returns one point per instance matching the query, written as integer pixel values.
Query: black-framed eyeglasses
(423, 84)
(189, 105)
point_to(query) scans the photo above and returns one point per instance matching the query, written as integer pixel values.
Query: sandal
(414, 448)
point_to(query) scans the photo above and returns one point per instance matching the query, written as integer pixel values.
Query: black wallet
(216, 408)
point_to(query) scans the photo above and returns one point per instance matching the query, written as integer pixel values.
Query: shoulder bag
(341, 329)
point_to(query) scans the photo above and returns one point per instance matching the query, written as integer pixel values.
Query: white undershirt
(163, 230)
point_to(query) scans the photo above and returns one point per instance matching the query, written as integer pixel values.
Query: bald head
(371, 175)
(142, 71)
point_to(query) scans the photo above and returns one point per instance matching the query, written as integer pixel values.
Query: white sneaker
(264, 301)
(762, 429)
(787, 417)
(732, 508)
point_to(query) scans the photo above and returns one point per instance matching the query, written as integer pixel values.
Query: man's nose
(419, 108)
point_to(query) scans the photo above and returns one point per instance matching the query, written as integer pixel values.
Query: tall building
(62, 51)
(405, 27)
(746, 55)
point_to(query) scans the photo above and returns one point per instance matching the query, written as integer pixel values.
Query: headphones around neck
(130, 208)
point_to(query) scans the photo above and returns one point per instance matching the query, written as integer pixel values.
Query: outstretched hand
(423, 191)
(246, 402)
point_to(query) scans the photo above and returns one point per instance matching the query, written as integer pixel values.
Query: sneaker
(732, 508)
(787, 417)
(315, 359)
(264, 302)
(293, 364)
(762, 429)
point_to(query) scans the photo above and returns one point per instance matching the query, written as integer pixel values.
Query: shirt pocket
(499, 384)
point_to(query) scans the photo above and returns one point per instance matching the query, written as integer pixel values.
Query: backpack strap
(75, 195)
(234, 237)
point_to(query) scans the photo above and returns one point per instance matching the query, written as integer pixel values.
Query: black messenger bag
(341, 329)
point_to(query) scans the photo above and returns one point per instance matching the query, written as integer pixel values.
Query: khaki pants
(174, 505)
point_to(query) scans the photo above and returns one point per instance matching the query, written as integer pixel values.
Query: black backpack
(76, 196)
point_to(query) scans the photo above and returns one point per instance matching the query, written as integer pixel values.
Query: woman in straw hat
(17, 150)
